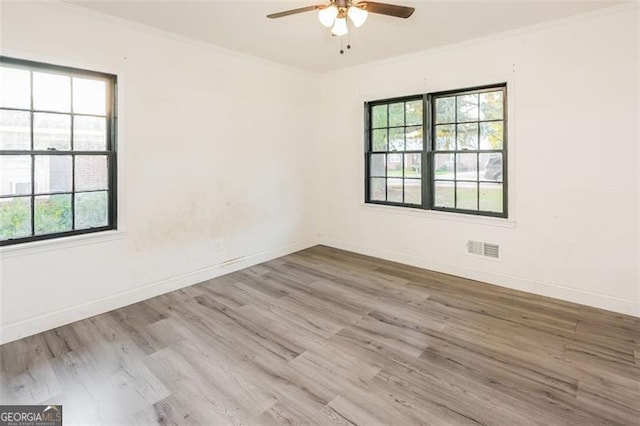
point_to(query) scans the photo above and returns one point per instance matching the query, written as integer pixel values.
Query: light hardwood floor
(325, 336)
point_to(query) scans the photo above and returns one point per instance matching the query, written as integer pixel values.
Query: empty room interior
(341, 212)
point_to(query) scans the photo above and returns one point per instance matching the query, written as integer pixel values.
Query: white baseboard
(556, 291)
(28, 327)
(48, 321)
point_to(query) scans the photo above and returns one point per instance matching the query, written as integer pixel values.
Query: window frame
(428, 150)
(110, 151)
(369, 150)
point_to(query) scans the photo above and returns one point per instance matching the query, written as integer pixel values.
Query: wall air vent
(474, 247)
(491, 250)
(480, 248)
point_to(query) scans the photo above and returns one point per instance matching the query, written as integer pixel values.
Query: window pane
(491, 106)
(91, 210)
(15, 130)
(89, 96)
(467, 108)
(15, 217)
(446, 137)
(394, 165)
(379, 140)
(468, 136)
(51, 131)
(378, 189)
(446, 110)
(413, 136)
(396, 114)
(51, 92)
(491, 135)
(491, 197)
(89, 133)
(414, 112)
(15, 174)
(443, 196)
(396, 139)
(412, 191)
(412, 165)
(467, 167)
(15, 88)
(377, 165)
(52, 213)
(444, 166)
(394, 190)
(91, 172)
(467, 195)
(53, 173)
(379, 116)
(491, 167)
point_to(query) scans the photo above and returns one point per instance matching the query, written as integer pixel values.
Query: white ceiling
(301, 41)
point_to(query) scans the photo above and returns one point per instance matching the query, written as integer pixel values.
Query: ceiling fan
(335, 13)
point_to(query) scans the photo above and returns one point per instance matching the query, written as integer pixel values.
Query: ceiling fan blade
(387, 9)
(294, 11)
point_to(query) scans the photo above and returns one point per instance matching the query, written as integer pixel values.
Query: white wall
(573, 162)
(214, 168)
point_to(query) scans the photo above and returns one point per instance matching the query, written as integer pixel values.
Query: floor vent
(480, 248)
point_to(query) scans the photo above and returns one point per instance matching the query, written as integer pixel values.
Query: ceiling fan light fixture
(358, 16)
(340, 27)
(335, 13)
(327, 15)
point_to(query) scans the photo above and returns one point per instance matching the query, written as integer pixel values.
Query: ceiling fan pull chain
(341, 46)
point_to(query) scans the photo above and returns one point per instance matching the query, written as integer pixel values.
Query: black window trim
(427, 169)
(111, 148)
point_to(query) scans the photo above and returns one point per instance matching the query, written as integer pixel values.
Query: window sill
(62, 243)
(438, 215)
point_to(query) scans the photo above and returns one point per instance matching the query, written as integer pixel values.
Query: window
(57, 151)
(459, 167)
(395, 158)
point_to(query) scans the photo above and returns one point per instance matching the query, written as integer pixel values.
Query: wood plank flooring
(325, 336)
